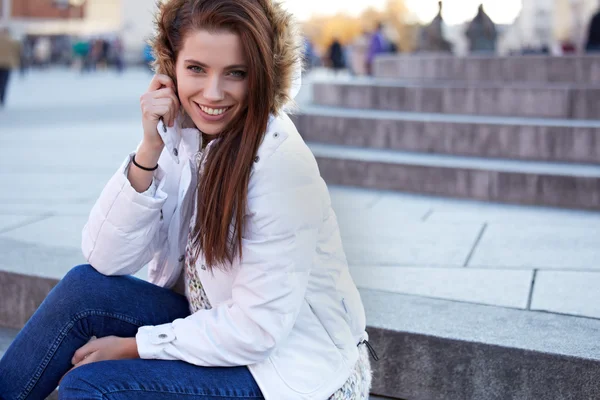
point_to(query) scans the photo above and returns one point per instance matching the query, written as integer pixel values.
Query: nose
(213, 91)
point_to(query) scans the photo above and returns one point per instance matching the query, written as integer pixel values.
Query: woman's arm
(147, 156)
(286, 212)
(122, 231)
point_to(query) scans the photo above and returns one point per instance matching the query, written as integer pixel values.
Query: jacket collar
(178, 139)
(189, 140)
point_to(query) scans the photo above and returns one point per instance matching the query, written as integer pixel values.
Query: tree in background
(395, 16)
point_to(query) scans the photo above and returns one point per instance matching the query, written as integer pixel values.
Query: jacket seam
(105, 219)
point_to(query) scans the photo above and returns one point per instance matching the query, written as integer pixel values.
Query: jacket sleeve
(121, 234)
(285, 213)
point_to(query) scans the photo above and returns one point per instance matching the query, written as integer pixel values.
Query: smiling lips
(213, 114)
(214, 111)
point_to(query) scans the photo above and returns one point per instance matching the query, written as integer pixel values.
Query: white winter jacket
(289, 310)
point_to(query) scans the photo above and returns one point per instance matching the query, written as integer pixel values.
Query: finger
(160, 103)
(163, 108)
(83, 351)
(168, 93)
(159, 81)
(167, 97)
(90, 358)
(162, 113)
(163, 93)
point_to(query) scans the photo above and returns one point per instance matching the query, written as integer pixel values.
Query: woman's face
(212, 79)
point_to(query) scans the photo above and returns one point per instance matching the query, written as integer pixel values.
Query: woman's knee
(79, 384)
(83, 272)
(82, 276)
(81, 282)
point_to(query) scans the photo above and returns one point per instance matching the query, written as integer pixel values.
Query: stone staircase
(524, 142)
(509, 130)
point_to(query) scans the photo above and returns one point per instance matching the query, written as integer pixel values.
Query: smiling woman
(249, 292)
(212, 91)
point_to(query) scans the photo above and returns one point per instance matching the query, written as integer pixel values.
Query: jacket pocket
(334, 317)
(308, 358)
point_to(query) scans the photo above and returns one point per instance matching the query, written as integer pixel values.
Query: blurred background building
(550, 24)
(130, 20)
(523, 26)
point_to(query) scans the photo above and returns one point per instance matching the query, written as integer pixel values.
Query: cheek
(241, 94)
(183, 87)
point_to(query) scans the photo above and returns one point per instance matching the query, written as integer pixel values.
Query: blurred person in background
(116, 54)
(378, 44)
(26, 55)
(81, 49)
(308, 55)
(148, 56)
(593, 40)
(336, 56)
(105, 53)
(358, 57)
(95, 54)
(42, 51)
(10, 54)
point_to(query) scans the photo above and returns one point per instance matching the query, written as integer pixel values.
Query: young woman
(249, 294)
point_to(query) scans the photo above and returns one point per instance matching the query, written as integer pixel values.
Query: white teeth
(214, 111)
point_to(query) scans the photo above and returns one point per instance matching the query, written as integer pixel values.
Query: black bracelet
(144, 168)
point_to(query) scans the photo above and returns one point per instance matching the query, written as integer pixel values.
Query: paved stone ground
(62, 135)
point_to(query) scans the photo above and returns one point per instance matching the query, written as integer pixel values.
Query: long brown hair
(265, 30)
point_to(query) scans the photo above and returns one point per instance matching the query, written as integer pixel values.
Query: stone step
(530, 69)
(496, 137)
(490, 99)
(507, 181)
(439, 350)
(7, 335)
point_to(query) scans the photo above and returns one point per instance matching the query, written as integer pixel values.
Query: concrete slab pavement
(544, 247)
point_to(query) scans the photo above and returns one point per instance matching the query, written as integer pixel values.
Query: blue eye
(195, 68)
(238, 74)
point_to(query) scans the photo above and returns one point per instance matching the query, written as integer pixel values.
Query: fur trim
(287, 46)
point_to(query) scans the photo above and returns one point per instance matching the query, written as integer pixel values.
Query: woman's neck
(188, 123)
(206, 139)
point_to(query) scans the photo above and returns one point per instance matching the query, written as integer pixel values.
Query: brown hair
(271, 47)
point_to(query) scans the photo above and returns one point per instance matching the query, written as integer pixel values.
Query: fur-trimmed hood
(287, 48)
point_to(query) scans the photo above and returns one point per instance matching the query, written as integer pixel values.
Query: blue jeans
(86, 303)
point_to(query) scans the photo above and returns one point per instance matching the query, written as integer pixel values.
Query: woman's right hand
(160, 101)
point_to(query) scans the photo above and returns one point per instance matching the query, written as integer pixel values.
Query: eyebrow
(191, 61)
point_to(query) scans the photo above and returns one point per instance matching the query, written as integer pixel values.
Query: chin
(209, 129)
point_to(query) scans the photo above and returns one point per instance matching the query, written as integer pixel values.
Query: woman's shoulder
(282, 145)
(283, 158)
